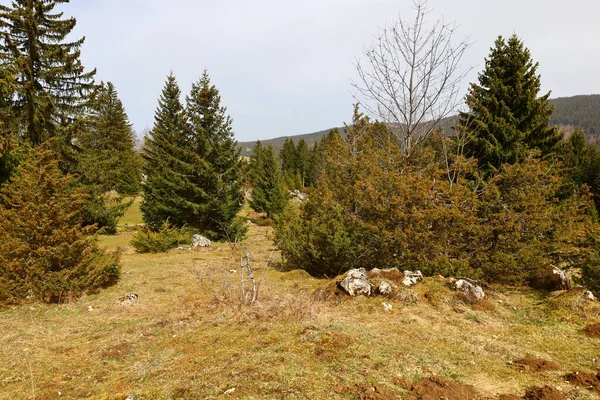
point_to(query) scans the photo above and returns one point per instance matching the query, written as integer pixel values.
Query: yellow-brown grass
(189, 336)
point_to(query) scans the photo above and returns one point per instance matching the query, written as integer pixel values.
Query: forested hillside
(579, 112)
(310, 138)
(571, 113)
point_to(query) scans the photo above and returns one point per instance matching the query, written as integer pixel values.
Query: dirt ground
(592, 330)
(584, 379)
(535, 364)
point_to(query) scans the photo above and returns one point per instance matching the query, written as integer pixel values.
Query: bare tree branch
(411, 76)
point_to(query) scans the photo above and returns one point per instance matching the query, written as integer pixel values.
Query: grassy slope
(133, 215)
(188, 337)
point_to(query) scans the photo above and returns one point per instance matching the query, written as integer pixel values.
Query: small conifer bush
(45, 252)
(167, 237)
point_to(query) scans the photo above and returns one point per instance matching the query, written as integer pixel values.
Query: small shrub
(166, 238)
(317, 241)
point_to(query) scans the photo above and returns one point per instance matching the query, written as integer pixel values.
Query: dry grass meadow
(189, 337)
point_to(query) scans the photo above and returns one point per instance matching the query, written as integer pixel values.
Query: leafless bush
(234, 285)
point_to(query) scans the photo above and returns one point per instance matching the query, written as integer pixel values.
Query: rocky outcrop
(384, 288)
(298, 196)
(412, 278)
(561, 279)
(356, 283)
(384, 271)
(588, 295)
(471, 287)
(200, 241)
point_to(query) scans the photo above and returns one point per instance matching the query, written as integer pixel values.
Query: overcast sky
(283, 66)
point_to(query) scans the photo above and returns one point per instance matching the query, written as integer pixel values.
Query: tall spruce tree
(216, 174)
(288, 157)
(315, 158)
(268, 193)
(506, 117)
(108, 160)
(52, 86)
(192, 163)
(167, 164)
(256, 160)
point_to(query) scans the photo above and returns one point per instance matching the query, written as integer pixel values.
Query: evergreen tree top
(170, 98)
(205, 112)
(510, 71)
(53, 87)
(106, 104)
(169, 118)
(107, 160)
(506, 114)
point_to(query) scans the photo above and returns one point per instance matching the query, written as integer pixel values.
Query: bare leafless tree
(138, 139)
(411, 76)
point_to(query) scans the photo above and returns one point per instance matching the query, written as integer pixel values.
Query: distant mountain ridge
(576, 112)
(277, 143)
(581, 112)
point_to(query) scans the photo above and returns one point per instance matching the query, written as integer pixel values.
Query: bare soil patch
(592, 330)
(535, 364)
(435, 388)
(584, 379)
(544, 393)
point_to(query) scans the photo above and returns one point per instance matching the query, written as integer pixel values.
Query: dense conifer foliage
(51, 84)
(45, 252)
(12, 151)
(165, 186)
(107, 165)
(374, 207)
(12, 147)
(268, 192)
(108, 159)
(506, 117)
(193, 164)
(298, 163)
(581, 161)
(578, 111)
